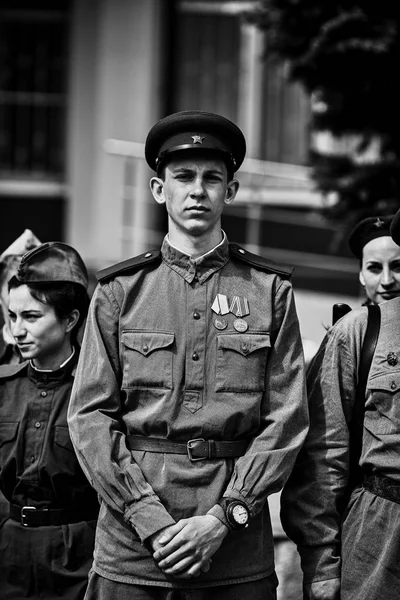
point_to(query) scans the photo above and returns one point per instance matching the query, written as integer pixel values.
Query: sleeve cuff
(319, 563)
(148, 516)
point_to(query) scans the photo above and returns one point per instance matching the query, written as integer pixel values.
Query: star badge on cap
(197, 139)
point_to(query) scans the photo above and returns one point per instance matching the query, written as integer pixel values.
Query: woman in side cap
(379, 257)
(46, 543)
(346, 521)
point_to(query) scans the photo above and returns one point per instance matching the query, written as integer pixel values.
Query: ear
(72, 320)
(361, 278)
(231, 191)
(157, 189)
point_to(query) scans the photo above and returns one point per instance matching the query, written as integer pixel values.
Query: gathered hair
(63, 296)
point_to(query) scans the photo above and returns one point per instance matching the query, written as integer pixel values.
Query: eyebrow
(182, 169)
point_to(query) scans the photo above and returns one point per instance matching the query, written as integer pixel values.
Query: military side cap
(194, 130)
(51, 262)
(368, 229)
(25, 242)
(395, 228)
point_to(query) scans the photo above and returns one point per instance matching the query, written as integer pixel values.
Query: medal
(220, 305)
(240, 325)
(220, 323)
(239, 306)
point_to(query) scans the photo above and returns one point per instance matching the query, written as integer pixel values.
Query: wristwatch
(236, 513)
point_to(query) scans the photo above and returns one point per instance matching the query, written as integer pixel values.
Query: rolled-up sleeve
(97, 427)
(312, 499)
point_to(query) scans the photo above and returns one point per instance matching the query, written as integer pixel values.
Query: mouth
(197, 209)
(389, 295)
(24, 346)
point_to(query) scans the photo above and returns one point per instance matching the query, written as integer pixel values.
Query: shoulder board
(7, 371)
(132, 263)
(260, 262)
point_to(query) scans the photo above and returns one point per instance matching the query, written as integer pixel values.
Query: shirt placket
(196, 345)
(36, 431)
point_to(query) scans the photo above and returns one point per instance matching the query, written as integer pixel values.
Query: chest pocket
(383, 408)
(241, 362)
(8, 441)
(147, 359)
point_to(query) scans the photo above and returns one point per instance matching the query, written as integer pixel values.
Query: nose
(387, 278)
(198, 188)
(18, 329)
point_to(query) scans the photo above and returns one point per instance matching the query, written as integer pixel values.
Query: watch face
(240, 514)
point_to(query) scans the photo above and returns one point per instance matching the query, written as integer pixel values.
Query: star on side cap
(369, 229)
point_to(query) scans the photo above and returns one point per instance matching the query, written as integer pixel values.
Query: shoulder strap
(128, 265)
(356, 424)
(260, 262)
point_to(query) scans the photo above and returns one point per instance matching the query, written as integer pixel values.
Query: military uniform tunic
(39, 468)
(365, 537)
(154, 363)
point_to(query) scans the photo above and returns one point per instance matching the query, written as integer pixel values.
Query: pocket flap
(146, 342)
(62, 438)
(244, 344)
(8, 431)
(389, 382)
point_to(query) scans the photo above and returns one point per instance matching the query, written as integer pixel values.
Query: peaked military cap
(395, 228)
(51, 262)
(368, 229)
(194, 130)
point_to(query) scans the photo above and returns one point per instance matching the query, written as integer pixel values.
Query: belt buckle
(24, 516)
(189, 447)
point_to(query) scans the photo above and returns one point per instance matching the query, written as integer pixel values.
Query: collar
(200, 268)
(53, 378)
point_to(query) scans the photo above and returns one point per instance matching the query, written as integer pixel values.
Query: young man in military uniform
(189, 406)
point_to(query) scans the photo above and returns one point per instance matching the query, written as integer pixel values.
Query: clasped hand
(184, 549)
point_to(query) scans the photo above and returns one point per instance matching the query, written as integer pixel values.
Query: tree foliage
(346, 55)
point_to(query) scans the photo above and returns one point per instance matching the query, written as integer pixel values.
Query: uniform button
(392, 359)
(45, 377)
(393, 385)
(196, 315)
(32, 459)
(145, 349)
(244, 348)
(43, 394)
(195, 356)
(37, 424)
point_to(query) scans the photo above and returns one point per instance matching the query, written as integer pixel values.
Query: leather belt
(196, 449)
(383, 486)
(30, 516)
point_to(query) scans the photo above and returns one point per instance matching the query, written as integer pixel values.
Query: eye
(374, 268)
(12, 317)
(183, 176)
(31, 317)
(213, 178)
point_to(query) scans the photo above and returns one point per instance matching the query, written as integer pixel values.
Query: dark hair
(63, 296)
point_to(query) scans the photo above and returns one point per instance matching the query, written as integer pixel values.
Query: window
(33, 57)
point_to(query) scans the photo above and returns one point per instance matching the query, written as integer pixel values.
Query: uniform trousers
(49, 562)
(100, 588)
(371, 548)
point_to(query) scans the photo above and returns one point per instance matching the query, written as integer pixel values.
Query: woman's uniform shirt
(158, 361)
(39, 468)
(312, 498)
